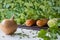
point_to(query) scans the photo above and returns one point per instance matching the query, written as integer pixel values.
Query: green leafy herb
(29, 9)
(52, 32)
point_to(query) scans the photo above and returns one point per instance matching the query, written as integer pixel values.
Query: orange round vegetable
(41, 22)
(30, 22)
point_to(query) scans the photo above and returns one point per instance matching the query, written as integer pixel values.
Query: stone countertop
(21, 34)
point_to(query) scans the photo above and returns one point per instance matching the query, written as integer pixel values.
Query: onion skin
(41, 22)
(29, 22)
(8, 26)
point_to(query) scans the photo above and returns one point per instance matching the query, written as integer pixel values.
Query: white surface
(31, 33)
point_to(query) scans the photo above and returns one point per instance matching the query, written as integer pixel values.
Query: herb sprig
(51, 31)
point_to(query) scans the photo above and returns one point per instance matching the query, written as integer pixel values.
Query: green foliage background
(29, 9)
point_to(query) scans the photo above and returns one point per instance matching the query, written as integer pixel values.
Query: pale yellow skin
(8, 26)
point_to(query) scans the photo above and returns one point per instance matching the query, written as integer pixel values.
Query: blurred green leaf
(29, 9)
(42, 33)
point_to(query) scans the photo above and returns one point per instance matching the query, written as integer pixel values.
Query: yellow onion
(8, 26)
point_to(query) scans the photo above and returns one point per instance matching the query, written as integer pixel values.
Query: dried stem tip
(12, 18)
